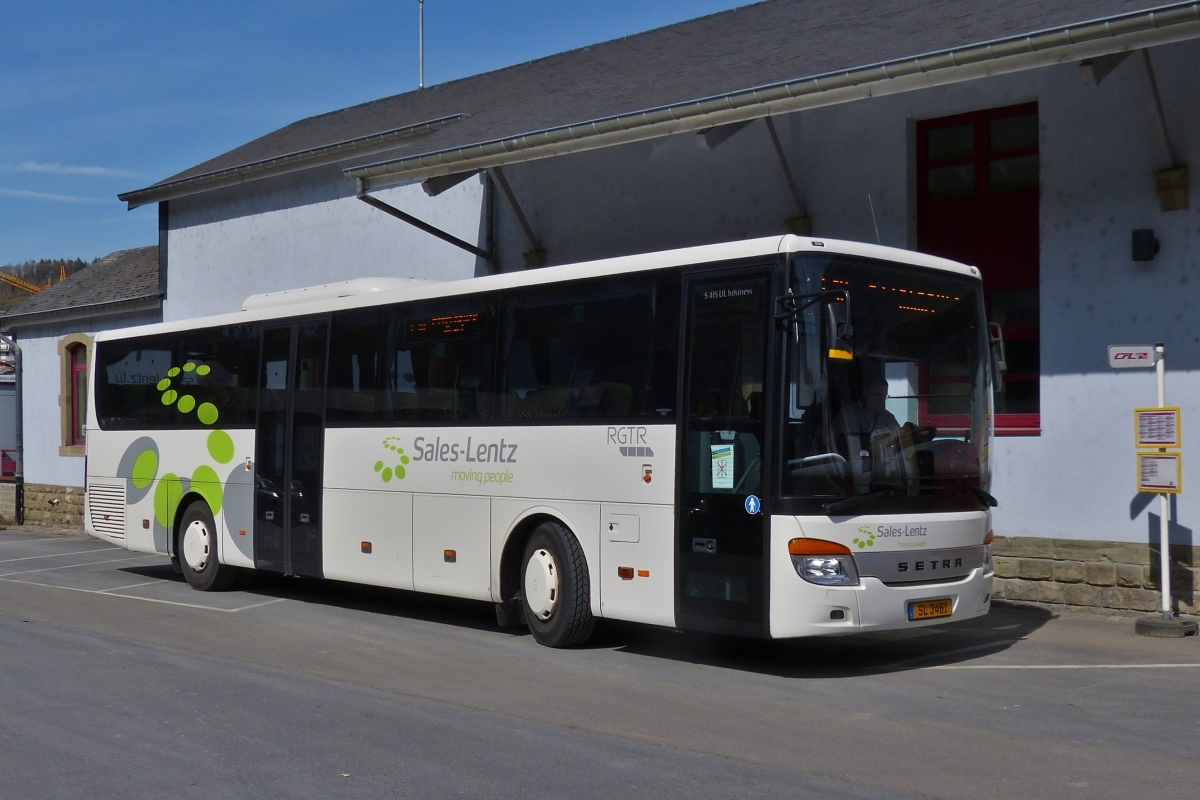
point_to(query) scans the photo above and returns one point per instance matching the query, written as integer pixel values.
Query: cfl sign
(1131, 356)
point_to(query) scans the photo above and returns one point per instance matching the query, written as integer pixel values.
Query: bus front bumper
(799, 608)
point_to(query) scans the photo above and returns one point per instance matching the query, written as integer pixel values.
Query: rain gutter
(1163, 25)
(279, 165)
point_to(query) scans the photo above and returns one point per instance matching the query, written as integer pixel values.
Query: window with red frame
(977, 184)
(78, 384)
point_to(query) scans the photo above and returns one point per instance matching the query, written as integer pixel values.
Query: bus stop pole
(1164, 503)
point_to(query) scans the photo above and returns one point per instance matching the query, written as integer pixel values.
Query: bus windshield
(888, 387)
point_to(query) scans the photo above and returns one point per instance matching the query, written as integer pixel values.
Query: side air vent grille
(107, 507)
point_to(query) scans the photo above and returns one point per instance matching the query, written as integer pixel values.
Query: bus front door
(719, 550)
(289, 449)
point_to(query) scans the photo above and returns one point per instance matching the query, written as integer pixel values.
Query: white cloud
(55, 198)
(54, 168)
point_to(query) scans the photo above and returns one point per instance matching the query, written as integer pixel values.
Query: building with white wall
(54, 330)
(1030, 139)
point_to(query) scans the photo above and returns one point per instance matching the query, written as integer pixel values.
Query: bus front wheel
(555, 589)
(198, 551)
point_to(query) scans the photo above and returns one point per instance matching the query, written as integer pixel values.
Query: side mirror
(839, 333)
(999, 362)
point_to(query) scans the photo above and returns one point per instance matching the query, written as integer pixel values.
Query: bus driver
(872, 437)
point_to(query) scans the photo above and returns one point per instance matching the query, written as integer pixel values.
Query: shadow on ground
(817, 658)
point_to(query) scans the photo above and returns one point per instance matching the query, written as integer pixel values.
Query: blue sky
(101, 97)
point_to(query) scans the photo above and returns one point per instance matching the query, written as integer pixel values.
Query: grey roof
(115, 281)
(748, 47)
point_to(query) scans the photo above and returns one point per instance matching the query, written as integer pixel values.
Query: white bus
(776, 438)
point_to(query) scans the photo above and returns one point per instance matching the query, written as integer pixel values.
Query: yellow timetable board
(1160, 473)
(1156, 427)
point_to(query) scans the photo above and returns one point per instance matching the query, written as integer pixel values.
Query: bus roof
(365, 292)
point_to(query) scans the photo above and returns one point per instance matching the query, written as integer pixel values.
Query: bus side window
(439, 360)
(355, 357)
(219, 370)
(598, 348)
(128, 372)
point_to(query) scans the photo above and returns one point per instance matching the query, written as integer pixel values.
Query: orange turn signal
(625, 573)
(817, 547)
(988, 539)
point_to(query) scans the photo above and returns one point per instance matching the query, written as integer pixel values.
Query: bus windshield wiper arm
(851, 502)
(984, 497)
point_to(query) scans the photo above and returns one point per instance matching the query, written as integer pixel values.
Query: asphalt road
(118, 680)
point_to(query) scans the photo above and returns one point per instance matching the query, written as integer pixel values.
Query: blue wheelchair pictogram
(753, 504)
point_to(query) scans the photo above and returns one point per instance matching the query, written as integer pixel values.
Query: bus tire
(555, 588)
(198, 551)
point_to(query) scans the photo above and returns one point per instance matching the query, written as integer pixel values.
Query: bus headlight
(823, 563)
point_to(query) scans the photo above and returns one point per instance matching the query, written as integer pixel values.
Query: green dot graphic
(387, 474)
(169, 397)
(144, 469)
(164, 384)
(203, 369)
(187, 403)
(207, 413)
(399, 472)
(206, 482)
(220, 446)
(378, 466)
(403, 459)
(166, 497)
(188, 367)
(172, 372)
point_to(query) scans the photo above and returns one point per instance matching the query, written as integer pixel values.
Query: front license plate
(930, 609)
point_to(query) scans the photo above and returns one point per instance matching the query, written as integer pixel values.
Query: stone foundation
(57, 506)
(1120, 576)
(8, 503)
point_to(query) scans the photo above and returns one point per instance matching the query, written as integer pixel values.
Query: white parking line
(1069, 666)
(51, 539)
(109, 593)
(58, 555)
(76, 566)
(123, 588)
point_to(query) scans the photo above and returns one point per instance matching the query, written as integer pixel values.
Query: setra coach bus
(779, 437)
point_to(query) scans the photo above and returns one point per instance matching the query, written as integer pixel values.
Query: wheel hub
(197, 545)
(541, 584)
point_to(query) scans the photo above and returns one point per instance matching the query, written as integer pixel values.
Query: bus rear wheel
(198, 551)
(555, 589)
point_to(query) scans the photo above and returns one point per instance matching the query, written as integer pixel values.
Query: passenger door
(289, 449)
(719, 547)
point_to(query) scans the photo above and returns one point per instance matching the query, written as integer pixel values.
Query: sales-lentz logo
(868, 535)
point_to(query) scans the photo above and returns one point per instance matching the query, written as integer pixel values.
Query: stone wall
(8, 503)
(57, 506)
(1120, 576)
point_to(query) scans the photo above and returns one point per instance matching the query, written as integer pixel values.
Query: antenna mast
(421, 42)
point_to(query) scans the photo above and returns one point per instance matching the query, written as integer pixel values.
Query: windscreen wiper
(985, 498)
(881, 489)
(851, 502)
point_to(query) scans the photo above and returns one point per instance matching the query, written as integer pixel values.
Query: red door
(978, 204)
